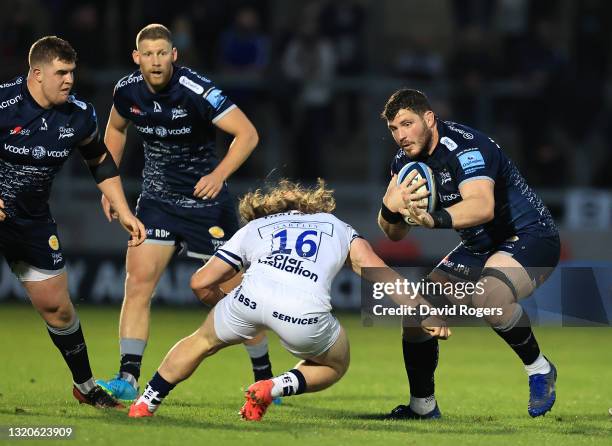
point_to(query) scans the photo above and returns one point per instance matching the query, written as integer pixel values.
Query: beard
(424, 143)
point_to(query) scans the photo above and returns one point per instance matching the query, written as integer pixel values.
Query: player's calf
(310, 375)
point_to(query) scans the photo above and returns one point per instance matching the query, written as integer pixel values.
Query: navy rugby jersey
(465, 154)
(176, 125)
(35, 143)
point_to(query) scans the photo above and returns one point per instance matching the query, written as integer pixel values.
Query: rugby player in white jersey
(292, 248)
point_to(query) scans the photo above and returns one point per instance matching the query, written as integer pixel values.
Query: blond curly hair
(287, 196)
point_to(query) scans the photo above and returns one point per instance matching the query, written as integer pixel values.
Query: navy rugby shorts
(534, 252)
(198, 231)
(35, 243)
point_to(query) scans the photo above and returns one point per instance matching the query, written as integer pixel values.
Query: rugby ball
(423, 171)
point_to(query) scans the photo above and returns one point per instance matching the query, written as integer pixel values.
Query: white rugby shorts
(301, 320)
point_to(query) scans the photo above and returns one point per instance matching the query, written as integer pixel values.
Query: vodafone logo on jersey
(37, 152)
(23, 150)
(163, 132)
(182, 131)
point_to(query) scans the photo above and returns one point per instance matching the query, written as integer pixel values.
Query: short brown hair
(49, 48)
(154, 31)
(287, 196)
(413, 100)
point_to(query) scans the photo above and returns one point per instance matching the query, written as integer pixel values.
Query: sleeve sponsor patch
(449, 143)
(215, 98)
(471, 161)
(196, 88)
(76, 102)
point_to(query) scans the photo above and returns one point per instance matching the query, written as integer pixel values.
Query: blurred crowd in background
(314, 75)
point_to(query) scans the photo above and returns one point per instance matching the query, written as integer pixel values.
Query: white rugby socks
(539, 367)
(422, 406)
(289, 383)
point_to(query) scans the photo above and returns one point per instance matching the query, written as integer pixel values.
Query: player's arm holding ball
(475, 208)
(235, 123)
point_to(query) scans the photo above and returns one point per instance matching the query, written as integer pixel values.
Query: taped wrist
(105, 170)
(442, 219)
(389, 216)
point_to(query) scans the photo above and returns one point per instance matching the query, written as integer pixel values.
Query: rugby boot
(119, 388)
(403, 412)
(542, 392)
(98, 398)
(140, 410)
(258, 397)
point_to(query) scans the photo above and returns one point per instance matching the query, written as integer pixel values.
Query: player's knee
(342, 366)
(207, 343)
(479, 300)
(140, 278)
(58, 315)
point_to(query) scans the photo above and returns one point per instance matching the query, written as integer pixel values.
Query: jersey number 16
(304, 247)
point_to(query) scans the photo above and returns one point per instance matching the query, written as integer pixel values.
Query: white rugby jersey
(305, 251)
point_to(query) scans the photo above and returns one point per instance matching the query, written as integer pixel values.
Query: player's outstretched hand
(109, 212)
(209, 186)
(135, 227)
(436, 327)
(2, 214)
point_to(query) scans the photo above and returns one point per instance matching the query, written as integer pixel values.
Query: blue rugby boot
(403, 412)
(119, 388)
(542, 393)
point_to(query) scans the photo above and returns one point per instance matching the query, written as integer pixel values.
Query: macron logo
(13, 101)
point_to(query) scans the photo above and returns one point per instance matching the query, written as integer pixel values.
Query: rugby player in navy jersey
(41, 124)
(184, 199)
(509, 242)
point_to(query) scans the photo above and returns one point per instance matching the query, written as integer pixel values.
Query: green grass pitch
(481, 388)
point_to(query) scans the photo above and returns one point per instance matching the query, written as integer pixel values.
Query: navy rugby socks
(420, 361)
(155, 392)
(520, 337)
(262, 367)
(132, 351)
(71, 344)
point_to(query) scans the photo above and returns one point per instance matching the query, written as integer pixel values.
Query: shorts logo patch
(54, 243)
(57, 257)
(471, 160)
(216, 232)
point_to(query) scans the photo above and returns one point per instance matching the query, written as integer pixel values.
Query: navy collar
(28, 98)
